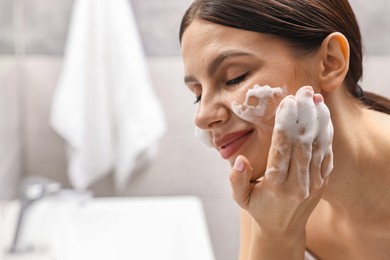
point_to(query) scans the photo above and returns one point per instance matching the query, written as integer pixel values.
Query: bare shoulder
(320, 234)
(330, 236)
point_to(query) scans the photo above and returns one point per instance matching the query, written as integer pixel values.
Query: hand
(299, 162)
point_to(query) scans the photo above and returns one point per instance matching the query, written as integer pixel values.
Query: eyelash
(234, 81)
(237, 80)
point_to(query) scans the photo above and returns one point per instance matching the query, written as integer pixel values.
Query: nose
(212, 111)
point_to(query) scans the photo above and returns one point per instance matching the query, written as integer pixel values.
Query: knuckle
(316, 145)
(299, 198)
(301, 194)
(303, 144)
(316, 185)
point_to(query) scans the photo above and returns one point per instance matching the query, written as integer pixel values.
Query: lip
(231, 143)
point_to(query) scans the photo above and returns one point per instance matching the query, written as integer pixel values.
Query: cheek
(257, 152)
(259, 105)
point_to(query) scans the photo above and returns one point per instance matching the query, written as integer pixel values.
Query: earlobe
(335, 61)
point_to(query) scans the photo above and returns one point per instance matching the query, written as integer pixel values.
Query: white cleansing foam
(306, 122)
(254, 113)
(204, 136)
(257, 102)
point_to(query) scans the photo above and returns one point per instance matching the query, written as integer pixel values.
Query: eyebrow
(221, 58)
(215, 63)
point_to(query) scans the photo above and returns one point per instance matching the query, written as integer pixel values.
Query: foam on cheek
(253, 111)
(204, 136)
(247, 111)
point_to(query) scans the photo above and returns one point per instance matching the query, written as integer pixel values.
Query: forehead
(202, 41)
(202, 34)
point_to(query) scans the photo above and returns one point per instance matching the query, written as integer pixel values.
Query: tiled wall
(45, 25)
(10, 105)
(374, 23)
(6, 27)
(10, 142)
(32, 39)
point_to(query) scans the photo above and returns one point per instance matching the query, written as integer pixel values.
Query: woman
(265, 73)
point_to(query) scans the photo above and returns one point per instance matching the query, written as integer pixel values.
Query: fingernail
(239, 164)
(318, 98)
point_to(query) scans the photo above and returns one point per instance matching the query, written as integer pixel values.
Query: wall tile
(10, 170)
(168, 82)
(45, 156)
(159, 23)
(6, 27)
(10, 142)
(374, 23)
(44, 149)
(41, 75)
(46, 24)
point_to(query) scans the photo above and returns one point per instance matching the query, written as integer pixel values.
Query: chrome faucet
(32, 189)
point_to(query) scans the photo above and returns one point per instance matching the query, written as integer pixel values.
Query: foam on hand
(257, 103)
(306, 122)
(325, 136)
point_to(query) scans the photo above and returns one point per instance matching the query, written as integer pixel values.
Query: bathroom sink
(144, 228)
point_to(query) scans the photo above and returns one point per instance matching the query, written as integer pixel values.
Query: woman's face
(221, 65)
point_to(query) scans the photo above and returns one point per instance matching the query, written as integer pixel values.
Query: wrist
(289, 244)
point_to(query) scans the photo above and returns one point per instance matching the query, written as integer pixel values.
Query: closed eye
(236, 80)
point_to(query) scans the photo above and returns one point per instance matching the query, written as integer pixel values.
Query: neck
(358, 182)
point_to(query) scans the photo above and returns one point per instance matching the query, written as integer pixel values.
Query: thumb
(240, 180)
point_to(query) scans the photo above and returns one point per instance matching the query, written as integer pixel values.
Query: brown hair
(302, 23)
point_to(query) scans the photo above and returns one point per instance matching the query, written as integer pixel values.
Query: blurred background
(33, 36)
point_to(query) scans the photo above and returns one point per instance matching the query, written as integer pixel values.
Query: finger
(280, 150)
(315, 197)
(307, 124)
(325, 138)
(299, 178)
(327, 165)
(318, 155)
(240, 180)
(316, 179)
(307, 119)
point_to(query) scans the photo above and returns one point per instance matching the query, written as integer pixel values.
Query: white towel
(104, 105)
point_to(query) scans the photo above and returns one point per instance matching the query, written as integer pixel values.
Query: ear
(334, 60)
